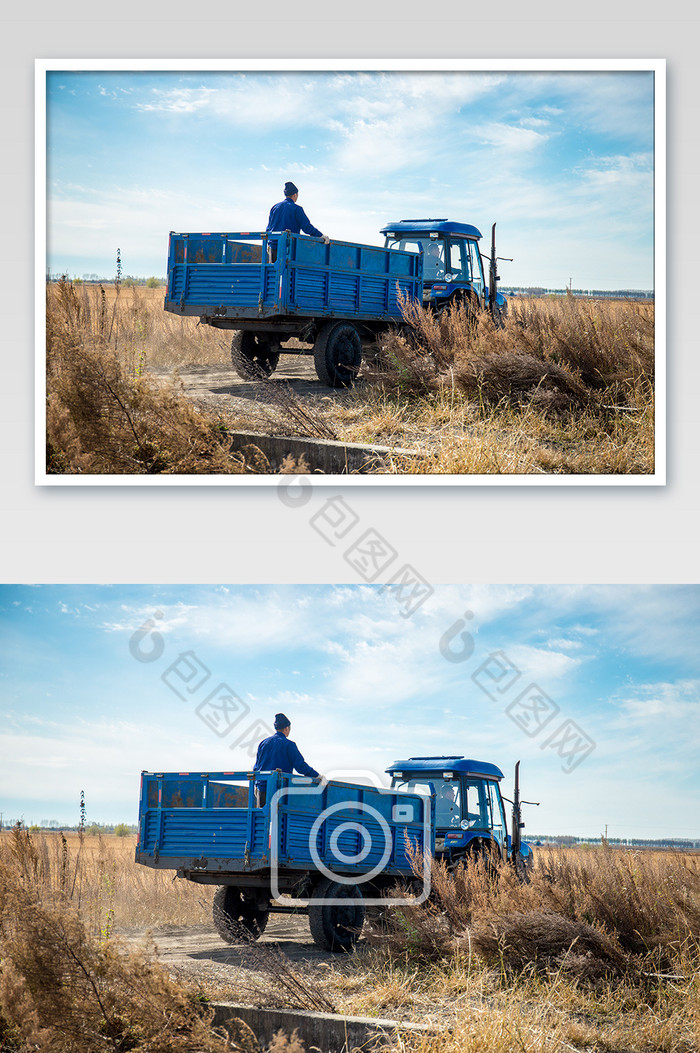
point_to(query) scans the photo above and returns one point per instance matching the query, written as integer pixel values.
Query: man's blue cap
(281, 721)
(290, 189)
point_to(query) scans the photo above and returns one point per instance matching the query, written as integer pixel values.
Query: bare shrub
(598, 911)
(566, 354)
(284, 985)
(105, 417)
(64, 990)
(538, 938)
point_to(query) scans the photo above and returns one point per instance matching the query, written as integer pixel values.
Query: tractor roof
(428, 765)
(431, 226)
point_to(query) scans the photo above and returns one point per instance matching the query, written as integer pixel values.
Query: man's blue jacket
(278, 751)
(287, 215)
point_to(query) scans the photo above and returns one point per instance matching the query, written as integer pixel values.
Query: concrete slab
(321, 455)
(326, 1032)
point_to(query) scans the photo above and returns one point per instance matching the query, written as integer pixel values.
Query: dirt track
(199, 952)
(218, 387)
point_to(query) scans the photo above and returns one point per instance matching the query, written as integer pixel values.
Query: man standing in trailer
(278, 752)
(287, 215)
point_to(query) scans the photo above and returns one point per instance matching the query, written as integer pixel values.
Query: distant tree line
(594, 294)
(52, 825)
(568, 840)
(127, 281)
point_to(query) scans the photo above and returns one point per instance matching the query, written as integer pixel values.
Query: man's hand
(322, 781)
(325, 239)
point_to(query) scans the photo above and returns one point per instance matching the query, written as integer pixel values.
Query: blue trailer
(277, 843)
(336, 296)
(280, 843)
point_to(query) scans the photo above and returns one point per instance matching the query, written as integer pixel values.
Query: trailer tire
(237, 919)
(336, 927)
(251, 355)
(338, 354)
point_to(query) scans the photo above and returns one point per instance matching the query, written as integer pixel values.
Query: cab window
(475, 810)
(459, 262)
(471, 249)
(448, 802)
(496, 809)
(433, 250)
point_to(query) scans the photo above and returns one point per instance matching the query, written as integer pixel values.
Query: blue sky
(87, 705)
(562, 160)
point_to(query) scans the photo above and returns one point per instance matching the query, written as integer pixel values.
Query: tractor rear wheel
(337, 926)
(338, 354)
(237, 917)
(252, 356)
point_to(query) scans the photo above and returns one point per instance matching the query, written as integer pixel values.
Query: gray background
(470, 533)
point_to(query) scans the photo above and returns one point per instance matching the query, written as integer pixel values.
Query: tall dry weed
(561, 355)
(104, 416)
(101, 877)
(590, 912)
(132, 321)
(65, 989)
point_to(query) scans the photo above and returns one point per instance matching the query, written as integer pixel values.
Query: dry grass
(472, 1009)
(66, 988)
(103, 414)
(133, 321)
(105, 883)
(570, 961)
(67, 982)
(558, 353)
(566, 387)
(461, 437)
(589, 912)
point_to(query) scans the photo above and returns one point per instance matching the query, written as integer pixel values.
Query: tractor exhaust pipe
(517, 823)
(493, 280)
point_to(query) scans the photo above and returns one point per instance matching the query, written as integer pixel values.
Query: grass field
(567, 387)
(599, 952)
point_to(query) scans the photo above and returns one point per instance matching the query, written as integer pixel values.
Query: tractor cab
(469, 814)
(453, 270)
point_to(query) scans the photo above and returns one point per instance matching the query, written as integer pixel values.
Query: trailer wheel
(338, 354)
(237, 918)
(252, 356)
(336, 927)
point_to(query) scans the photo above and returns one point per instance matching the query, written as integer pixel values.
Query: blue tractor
(470, 819)
(453, 270)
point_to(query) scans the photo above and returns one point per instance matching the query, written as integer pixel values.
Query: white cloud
(178, 100)
(562, 643)
(508, 137)
(677, 705)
